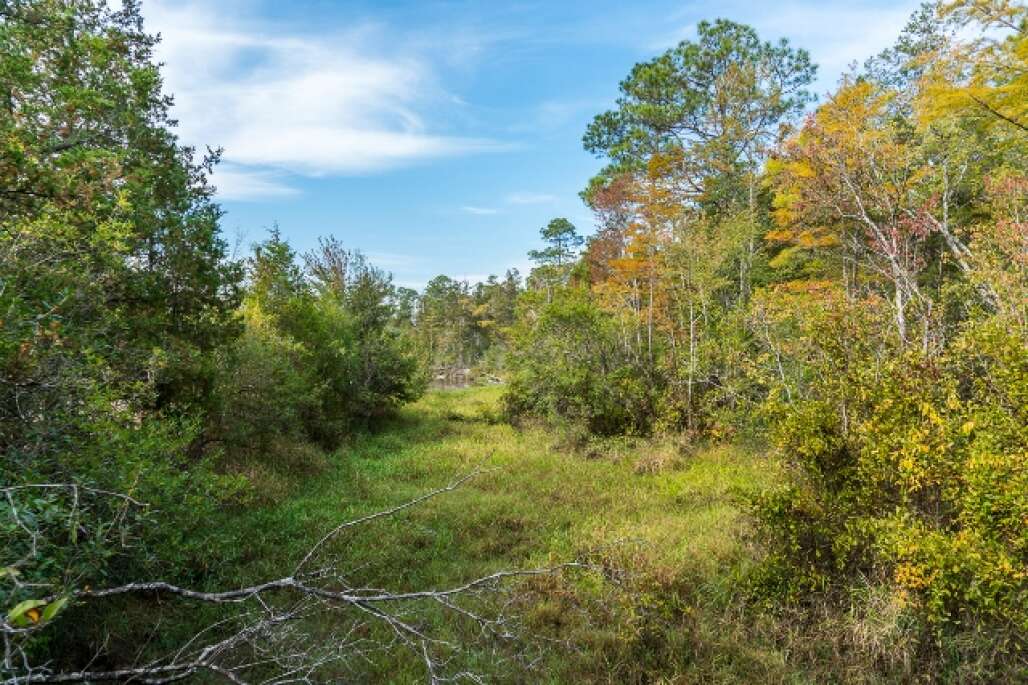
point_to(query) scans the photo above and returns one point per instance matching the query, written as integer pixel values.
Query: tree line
(145, 374)
(845, 281)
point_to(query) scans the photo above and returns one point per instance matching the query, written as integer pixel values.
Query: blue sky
(436, 137)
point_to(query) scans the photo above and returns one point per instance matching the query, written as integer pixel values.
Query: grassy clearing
(668, 520)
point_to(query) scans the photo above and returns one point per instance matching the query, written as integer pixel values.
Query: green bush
(567, 365)
(320, 356)
(115, 291)
(367, 367)
(264, 394)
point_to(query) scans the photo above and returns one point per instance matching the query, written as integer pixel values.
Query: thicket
(141, 369)
(320, 354)
(848, 285)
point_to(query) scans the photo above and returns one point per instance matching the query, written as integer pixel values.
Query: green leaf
(53, 608)
(18, 615)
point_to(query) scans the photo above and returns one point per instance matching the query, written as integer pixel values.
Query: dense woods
(840, 283)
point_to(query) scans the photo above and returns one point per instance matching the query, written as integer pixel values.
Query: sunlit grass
(676, 528)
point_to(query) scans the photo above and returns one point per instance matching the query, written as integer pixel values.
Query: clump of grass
(659, 457)
(277, 470)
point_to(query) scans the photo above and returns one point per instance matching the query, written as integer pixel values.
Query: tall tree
(563, 240)
(115, 289)
(99, 199)
(720, 99)
(851, 179)
(555, 261)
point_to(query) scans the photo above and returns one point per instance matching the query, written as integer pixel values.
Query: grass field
(666, 520)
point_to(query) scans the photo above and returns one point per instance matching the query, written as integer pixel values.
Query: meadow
(665, 519)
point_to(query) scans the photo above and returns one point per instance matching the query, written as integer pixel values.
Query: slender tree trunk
(692, 361)
(901, 316)
(649, 324)
(747, 258)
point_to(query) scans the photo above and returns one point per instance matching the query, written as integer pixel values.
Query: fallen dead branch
(310, 626)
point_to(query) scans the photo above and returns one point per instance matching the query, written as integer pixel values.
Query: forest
(767, 421)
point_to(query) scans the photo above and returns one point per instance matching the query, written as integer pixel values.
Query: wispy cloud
(838, 34)
(235, 183)
(300, 104)
(526, 198)
(480, 211)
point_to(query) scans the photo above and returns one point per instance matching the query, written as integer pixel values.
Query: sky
(437, 137)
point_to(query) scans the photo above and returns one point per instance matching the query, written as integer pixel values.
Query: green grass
(666, 521)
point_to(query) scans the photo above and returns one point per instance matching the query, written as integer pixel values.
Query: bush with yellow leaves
(911, 471)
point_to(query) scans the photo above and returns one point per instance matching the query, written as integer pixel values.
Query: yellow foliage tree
(986, 76)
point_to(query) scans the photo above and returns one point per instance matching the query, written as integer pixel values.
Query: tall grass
(664, 521)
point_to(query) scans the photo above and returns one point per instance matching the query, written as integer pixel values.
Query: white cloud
(837, 35)
(235, 183)
(307, 105)
(473, 278)
(526, 198)
(480, 211)
(418, 284)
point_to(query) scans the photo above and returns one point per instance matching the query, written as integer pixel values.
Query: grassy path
(671, 520)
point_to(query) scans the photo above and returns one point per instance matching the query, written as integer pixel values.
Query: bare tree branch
(275, 633)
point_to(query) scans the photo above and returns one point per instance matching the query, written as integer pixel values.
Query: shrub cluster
(910, 472)
(567, 366)
(319, 355)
